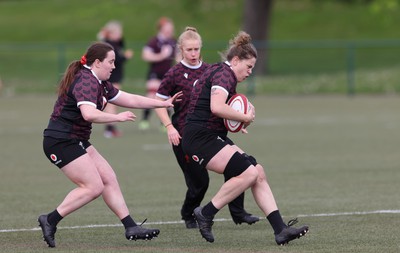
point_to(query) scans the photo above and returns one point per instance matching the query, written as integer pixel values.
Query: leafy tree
(256, 21)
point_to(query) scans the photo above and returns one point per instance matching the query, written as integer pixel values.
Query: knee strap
(236, 165)
(251, 159)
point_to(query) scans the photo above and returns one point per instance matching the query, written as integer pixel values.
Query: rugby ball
(240, 103)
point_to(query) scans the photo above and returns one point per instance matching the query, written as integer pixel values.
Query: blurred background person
(160, 53)
(112, 33)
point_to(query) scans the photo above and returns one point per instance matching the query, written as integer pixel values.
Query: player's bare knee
(110, 179)
(95, 193)
(95, 189)
(99, 191)
(252, 174)
(261, 173)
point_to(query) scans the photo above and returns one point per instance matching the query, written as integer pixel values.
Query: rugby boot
(247, 218)
(141, 233)
(204, 224)
(47, 230)
(290, 233)
(191, 223)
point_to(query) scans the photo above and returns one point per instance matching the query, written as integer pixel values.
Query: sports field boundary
(216, 220)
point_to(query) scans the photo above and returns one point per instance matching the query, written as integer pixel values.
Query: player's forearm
(226, 112)
(152, 57)
(138, 102)
(162, 114)
(91, 114)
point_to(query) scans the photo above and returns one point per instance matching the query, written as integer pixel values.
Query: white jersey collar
(190, 66)
(89, 68)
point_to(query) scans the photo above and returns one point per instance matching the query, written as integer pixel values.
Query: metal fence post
(61, 55)
(350, 69)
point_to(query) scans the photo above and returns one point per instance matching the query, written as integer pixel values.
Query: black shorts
(155, 75)
(202, 144)
(60, 152)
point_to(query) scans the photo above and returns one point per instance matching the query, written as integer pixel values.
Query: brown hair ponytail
(96, 51)
(241, 47)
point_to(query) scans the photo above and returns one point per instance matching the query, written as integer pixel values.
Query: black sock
(54, 218)
(146, 114)
(276, 221)
(110, 127)
(128, 222)
(209, 210)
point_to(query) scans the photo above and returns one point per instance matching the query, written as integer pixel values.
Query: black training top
(180, 78)
(158, 69)
(66, 121)
(219, 76)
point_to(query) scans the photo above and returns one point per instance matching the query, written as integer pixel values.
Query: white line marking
(221, 219)
(351, 213)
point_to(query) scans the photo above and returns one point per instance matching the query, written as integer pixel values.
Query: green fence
(350, 66)
(294, 67)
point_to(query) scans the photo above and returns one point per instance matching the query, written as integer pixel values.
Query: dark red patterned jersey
(180, 78)
(219, 76)
(158, 69)
(66, 121)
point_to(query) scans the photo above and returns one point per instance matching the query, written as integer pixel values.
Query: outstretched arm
(129, 100)
(92, 114)
(149, 56)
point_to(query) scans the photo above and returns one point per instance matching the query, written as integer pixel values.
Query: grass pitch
(331, 161)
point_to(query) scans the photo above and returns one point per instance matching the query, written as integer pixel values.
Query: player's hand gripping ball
(240, 103)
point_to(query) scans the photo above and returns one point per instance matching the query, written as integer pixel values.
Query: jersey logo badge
(53, 157)
(81, 144)
(186, 75)
(219, 138)
(197, 160)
